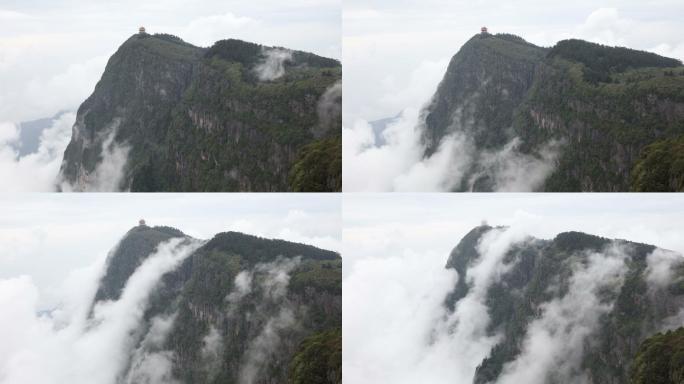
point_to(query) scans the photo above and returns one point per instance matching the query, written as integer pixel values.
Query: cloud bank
(35, 172)
(398, 162)
(43, 71)
(397, 320)
(59, 347)
(397, 328)
(389, 68)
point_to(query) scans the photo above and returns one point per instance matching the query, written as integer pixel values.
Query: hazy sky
(395, 52)
(396, 329)
(53, 52)
(49, 236)
(52, 254)
(389, 225)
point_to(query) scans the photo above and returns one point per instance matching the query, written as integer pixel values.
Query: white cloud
(396, 53)
(395, 281)
(53, 53)
(660, 265)
(77, 37)
(212, 351)
(150, 363)
(609, 26)
(265, 344)
(400, 164)
(37, 171)
(154, 368)
(80, 351)
(273, 64)
(241, 287)
(32, 89)
(397, 328)
(108, 175)
(554, 345)
(274, 278)
(8, 133)
(7, 15)
(388, 313)
(45, 239)
(205, 31)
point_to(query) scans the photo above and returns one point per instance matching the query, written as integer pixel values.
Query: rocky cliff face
(169, 116)
(594, 107)
(237, 309)
(572, 309)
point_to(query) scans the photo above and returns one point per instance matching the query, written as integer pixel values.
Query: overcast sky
(53, 52)
(49, 236)
(395, 52)
(395, 282)
(389, 225)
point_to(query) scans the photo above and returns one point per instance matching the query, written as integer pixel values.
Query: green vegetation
(660, 359)
(512, 47)
(540, 271)
(264, 250)
(197, 294)
(237, 51)
(603, 105)
(199, 119)
(318, 360)
(323, 275)
(128, 255)
(603, 124)
(601, 61)
(318, 167)
(660, 167)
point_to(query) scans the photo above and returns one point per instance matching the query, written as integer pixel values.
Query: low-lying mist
(272, 66)
(34, 172)
(398, 162)
(399, 329)
(73, 344)
(109, 173)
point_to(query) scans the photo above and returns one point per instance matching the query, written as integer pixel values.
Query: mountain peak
(579, 113)
(138, 243)
(169, 116)
(159, 44)
(506, 44)
(210, 308)
(532, 276)
(256, 249)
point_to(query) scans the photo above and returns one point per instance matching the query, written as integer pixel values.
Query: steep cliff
(589, 109)
(237, 309)
(169, 116)
(572, 309)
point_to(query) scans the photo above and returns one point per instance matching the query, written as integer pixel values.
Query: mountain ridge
(222, 301)
(539, 276)
(237, 116)
(594, 107)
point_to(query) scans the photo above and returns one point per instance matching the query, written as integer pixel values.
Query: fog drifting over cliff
(397, 328)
